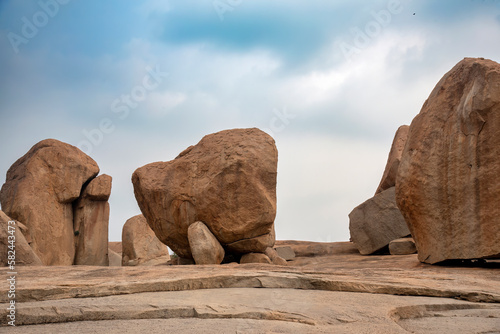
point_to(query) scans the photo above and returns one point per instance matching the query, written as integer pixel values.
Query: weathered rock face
(376, 222)
(24, 255)
(228, 181)
(91, 219)
(204, 246)
(403, 246)
(448, 185)
(391, 168)
(40, 190)
(140, 244)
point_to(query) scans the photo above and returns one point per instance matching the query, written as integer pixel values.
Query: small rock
(204, 246)
(286, 252)
(403, 246)
(255, 258)
(274, 257)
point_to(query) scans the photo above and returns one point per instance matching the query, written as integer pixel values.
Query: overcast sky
(133, 82)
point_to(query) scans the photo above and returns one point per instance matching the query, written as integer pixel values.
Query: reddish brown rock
(274, 257)
(39, 191)
(91, 222)
(391, 168)
(204, 246)
(376, 222)
(448, 185)
(403, 246)
(255, 258)
(227, 180)
(21, 254)
(140, 244)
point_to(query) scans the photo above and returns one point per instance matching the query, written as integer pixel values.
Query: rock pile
(227, 182)
(53, 190)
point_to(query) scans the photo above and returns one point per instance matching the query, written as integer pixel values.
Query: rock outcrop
(140, 244)
(204, 246)
(21, 254)
(376, 222)
(227, 180)
(391, 168)
(448, 186)
(91, 219)
(39, 191)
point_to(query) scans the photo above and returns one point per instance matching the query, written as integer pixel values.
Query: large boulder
(140, 244)
(376, 222)
(227, 180)
(39, 191)
(91, 219)
(14, 246)
(204, 246)
(448, 186)
(391, 168)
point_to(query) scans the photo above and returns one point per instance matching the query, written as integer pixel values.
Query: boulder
(140, 244)
(204, 246)
(402, 246)
(255, 258)
(91, 219)
(227, 180)
(391, 168)
(286, 252)
(39, 191)
(23, 255)
(447, 185)
(376, 222)
(274, 257)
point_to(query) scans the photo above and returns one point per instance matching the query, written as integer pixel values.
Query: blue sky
(278, 65)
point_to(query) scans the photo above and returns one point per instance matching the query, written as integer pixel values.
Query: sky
(133, 82)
